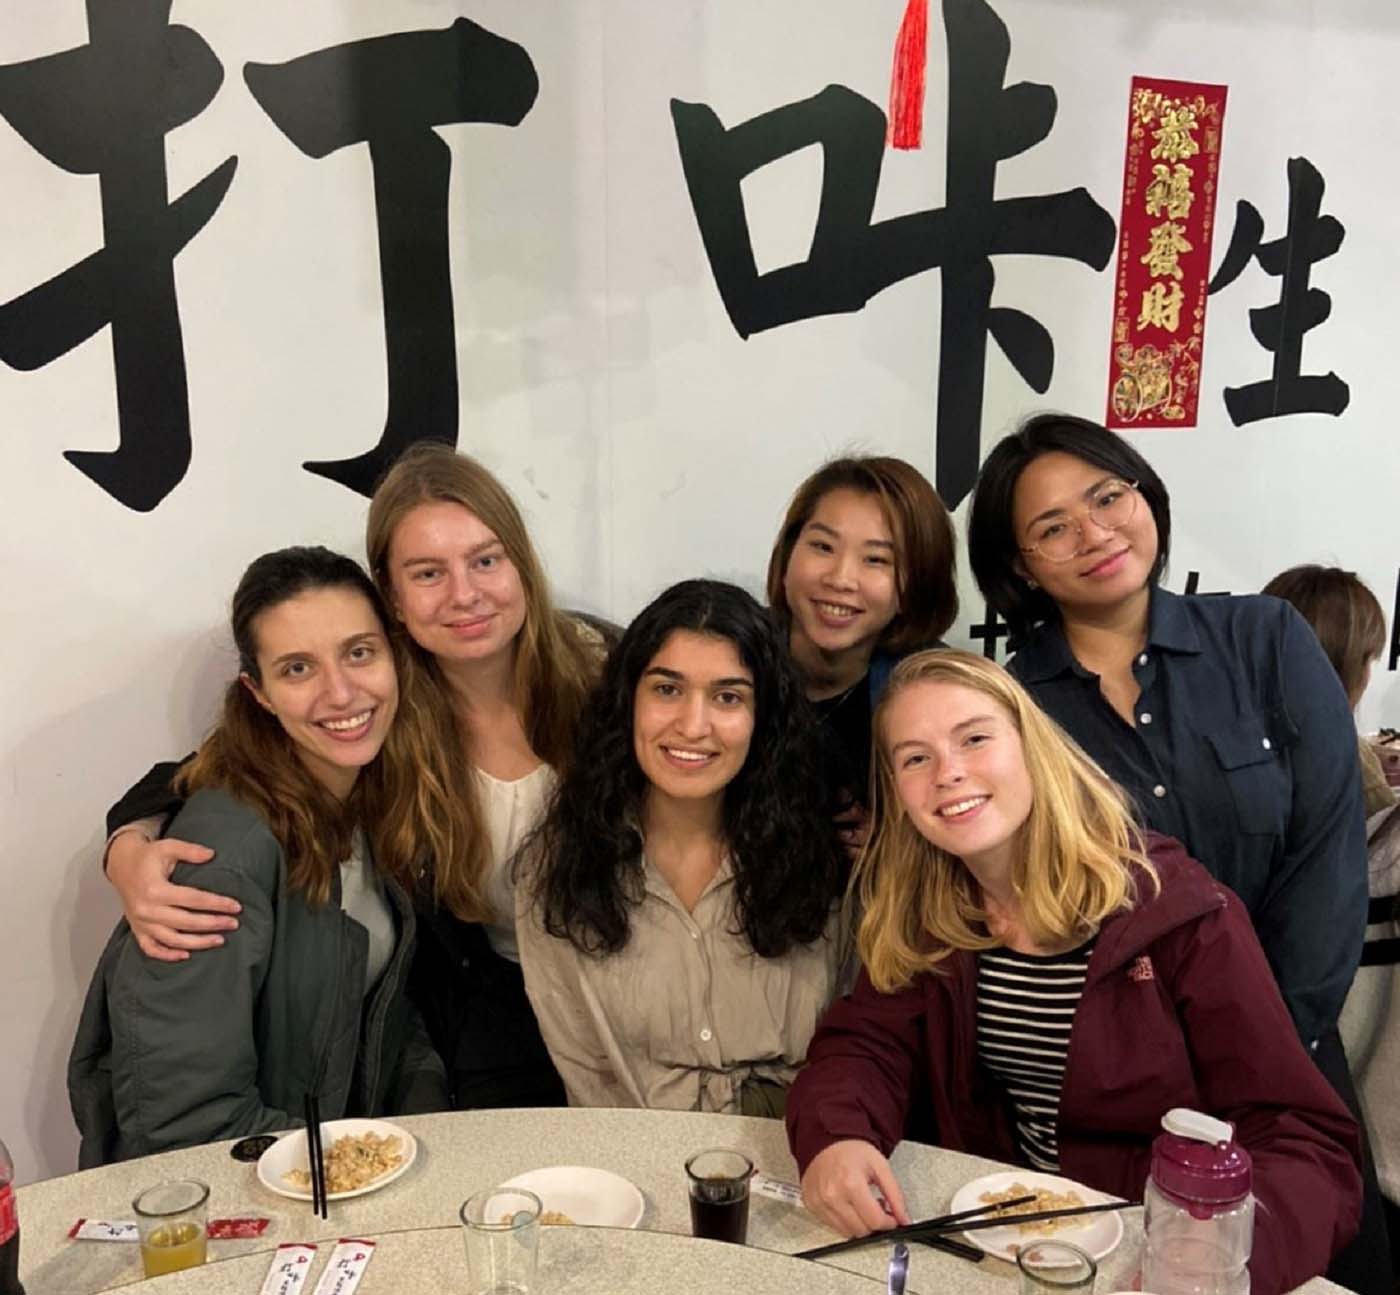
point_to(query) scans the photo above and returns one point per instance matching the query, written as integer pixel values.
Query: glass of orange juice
(171, 1219)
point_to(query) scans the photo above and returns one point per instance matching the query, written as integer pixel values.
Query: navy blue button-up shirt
(1244, 749)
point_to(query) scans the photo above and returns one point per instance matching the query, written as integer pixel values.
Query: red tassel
(906, 127)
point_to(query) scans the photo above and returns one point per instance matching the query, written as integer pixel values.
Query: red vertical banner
(1164, 233)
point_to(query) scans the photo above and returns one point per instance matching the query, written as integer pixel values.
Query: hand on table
(168, 920)
(836, 1188)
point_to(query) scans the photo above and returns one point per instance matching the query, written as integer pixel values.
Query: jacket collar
(1046, 653)
(1187, 894)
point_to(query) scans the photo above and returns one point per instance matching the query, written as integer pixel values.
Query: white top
(512, 810)
(362, 899)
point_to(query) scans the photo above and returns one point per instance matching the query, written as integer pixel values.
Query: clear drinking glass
(171, 1219)
(501, 1229)
(1055, 1268)
(719, 1194)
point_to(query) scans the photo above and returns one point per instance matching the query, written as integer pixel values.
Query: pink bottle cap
(1198, 1163)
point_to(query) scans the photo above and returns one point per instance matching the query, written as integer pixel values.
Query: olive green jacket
(228, 1042)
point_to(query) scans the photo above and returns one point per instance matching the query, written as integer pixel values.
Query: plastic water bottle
(9, 1228)
(1199, 1217)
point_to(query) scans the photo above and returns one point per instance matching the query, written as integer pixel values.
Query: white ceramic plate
(1099, 1234)
(594, 1198)
(289, 1152)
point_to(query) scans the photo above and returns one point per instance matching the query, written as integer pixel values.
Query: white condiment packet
(101, 1230)
(345, 1267)
(762, 1185)
(291, 1266)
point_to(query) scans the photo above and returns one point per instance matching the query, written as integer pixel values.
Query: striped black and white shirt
(1025, 1008)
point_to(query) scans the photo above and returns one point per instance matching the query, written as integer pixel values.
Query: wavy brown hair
(250, 755)
(924, 544)
(1080, 852)
(554, 670)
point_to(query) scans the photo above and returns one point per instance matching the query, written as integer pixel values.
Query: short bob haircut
(924, 541)
(1080, 858)
(1343, 613)
(993, 547)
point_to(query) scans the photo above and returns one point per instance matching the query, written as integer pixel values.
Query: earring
(1031, 584)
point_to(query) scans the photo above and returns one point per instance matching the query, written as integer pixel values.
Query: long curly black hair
(585, 859)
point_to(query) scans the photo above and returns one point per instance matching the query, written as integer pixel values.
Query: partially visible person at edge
(679, 909)
(293, 792)
(494, 683)
(1350, 625)
(862, 573)
(1012, 909)
(1220, 716)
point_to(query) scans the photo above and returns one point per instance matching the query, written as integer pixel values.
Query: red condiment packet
(236, 1229)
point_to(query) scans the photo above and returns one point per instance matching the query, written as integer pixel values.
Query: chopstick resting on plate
(319, 1204)
(914, 1231)
(963, 1222)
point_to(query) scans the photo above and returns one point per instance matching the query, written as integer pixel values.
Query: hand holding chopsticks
(966, 1221)
(319, 1204)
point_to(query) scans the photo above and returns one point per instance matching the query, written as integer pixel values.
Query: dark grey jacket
(229, 1041)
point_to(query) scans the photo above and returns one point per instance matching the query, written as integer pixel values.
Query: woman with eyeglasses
(1220, 716)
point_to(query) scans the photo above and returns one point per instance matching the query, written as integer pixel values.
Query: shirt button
(1142, 660)
(1145, 717)
(694, 934)
(706, 1035)
(1268, 746)
(1159, 791)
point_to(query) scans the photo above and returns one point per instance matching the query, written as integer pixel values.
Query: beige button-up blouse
(685, 1013)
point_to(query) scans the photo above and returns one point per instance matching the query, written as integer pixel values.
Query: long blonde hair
(554, 670)
(1079, 845)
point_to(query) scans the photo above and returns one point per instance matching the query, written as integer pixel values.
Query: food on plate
(550, 1219)
(1043, 1199)
(352, 1163)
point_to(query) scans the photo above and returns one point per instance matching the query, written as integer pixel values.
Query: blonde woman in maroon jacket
(1002, 856)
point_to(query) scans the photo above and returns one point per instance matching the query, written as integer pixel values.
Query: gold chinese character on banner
(1169, 193)
(1161, 308)
(1168, 242)
(1176, 138)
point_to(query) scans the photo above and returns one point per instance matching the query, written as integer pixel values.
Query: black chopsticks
(910, 1231)
(319, 1204)
(965, 1221)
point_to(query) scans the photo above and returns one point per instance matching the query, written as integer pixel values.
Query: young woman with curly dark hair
(679, 924)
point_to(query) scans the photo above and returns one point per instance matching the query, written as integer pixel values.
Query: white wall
(599, 373)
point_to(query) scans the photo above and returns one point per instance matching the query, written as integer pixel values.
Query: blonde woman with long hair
(494, 682)
(1057, 978)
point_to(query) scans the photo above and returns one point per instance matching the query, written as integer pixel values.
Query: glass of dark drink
(719, 1194)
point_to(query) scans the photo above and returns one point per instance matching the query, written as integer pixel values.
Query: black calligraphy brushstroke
(991, 629)
(104, 109)
(851, 259)
(1395, 628)
(389, 92)
(1311, 237)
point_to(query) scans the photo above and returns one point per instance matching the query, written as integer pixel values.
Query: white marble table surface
(415, 1218)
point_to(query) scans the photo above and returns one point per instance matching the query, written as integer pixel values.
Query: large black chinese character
(104, 109)
(851, 259)
(389, 92)
(1310, 238)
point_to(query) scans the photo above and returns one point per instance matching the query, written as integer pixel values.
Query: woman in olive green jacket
(307, 994)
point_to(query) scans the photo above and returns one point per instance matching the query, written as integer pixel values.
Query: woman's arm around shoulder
(184, 1058)
(1253, 1071)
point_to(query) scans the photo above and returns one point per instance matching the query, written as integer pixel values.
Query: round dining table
(419, 1249)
